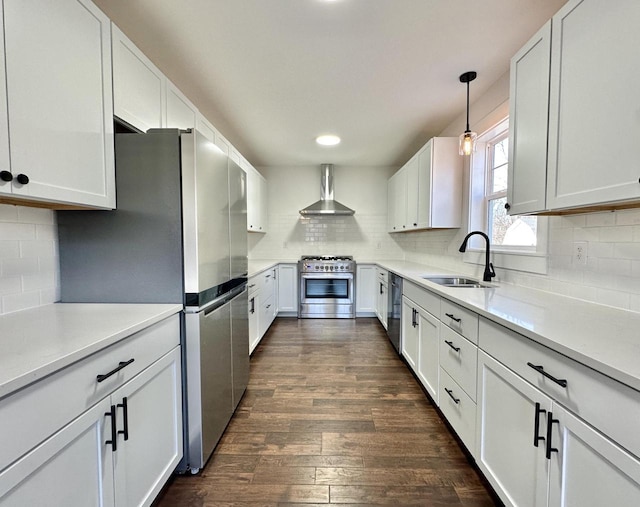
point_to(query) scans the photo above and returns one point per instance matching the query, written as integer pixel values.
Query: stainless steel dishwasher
(394, 309)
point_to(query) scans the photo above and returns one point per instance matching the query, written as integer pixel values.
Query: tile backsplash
(611, 275)
(29, 264)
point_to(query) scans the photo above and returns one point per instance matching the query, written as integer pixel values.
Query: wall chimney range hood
(327, 205)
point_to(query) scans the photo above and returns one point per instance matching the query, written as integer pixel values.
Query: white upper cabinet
(594, 104)
(205, 128)
(59, 103)
(256, 201)
(181, 113)
(138, 85)
(528, 121)
(426, 192)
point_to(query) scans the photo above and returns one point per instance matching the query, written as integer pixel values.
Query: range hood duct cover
(327, 205)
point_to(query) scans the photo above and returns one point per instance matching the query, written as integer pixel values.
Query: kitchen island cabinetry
(426, 193)
(114, 418)
(66, 43)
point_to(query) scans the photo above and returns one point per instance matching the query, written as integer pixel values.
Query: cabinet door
(424, 186)
(263, 204)
(254, 321)
(206, 128)
(253, 201)
(428, 355)
(413, 192)
(589, 470)
(400, 201)
(391, 203)
(149, 422)
(73, 468)
(181, 113)
(367, 289)
(138, 85)
(409, 334)
(506, 429)
(594, 104)
(5, 186)
(288, 288)
(60, 105)
(528, 122)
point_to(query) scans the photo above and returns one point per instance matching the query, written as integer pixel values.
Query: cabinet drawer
(34, 413)
(460, 319)
(422, 297)
(266, 282)
(604, 403)
(253, 285)
(382, 274)
(459, 409)
(461, 364)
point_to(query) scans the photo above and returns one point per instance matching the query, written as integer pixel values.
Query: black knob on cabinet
(507, 206)
(23, 179)
(6, 176)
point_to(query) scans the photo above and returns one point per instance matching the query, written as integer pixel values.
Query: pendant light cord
(467, 107)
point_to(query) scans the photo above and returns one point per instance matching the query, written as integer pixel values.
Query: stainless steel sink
(456, 281)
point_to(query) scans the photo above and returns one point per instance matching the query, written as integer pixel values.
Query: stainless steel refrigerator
(178, 235)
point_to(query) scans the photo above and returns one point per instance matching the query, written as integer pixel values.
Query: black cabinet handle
(414, 321)
(457, 349)
(550, 423)
(6, 176)
(267, 276)
(253, 305)
(114, 438)
(540, 369)
(22, 179)
(450, 393)
(268, 306)
(121, 364)
(252, 285)
(415, 224)
(450, 315)
(507, 206)
(380, 287)
(125, 418)
(536, 425)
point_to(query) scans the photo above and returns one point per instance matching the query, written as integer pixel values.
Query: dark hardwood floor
(332, 416)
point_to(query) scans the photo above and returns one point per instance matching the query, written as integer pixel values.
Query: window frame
(520, 258)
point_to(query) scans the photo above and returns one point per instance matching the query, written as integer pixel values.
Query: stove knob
(326, 268)
(331, 268)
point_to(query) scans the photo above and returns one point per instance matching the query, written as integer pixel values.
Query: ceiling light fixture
(328, 140)
(468, 138)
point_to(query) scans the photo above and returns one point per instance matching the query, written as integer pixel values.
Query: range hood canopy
(327, 205)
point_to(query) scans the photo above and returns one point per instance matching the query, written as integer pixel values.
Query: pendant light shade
(468, 138)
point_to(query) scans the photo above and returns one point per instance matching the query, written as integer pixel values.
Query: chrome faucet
(489, 273)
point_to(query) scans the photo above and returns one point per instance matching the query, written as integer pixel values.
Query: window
(504, 230)
(519, 241)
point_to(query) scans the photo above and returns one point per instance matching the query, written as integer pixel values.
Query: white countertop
(259, 265)
(603, 338)
(37, 342)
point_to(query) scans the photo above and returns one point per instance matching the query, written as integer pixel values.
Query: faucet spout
(489, 273)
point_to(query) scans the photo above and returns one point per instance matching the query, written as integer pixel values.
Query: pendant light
(468, 138)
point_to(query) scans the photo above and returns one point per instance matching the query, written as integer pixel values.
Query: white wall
(612, 274)
(29, 264)
(289, 236)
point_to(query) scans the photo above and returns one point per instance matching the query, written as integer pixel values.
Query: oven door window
(326, 288)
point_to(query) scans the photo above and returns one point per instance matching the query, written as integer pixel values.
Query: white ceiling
(382, 74)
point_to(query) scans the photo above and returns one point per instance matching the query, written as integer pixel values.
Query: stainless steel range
(327, 287)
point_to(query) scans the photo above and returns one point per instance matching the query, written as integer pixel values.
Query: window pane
(499, 179)
(510, 231)
(501, 152)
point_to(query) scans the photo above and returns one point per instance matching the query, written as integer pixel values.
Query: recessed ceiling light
(328, 140)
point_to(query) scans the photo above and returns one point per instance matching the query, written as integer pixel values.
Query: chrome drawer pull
(450, 315)
(540, 369)
(121, 365)
(457, 349)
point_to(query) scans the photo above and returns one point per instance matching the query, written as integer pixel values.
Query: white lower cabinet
(121, 450)
(535, 452)
(420, 336)
(366, 290)
(263, 304)
(589, 469)
(510, 423)
(288, 290)
(72, 468)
